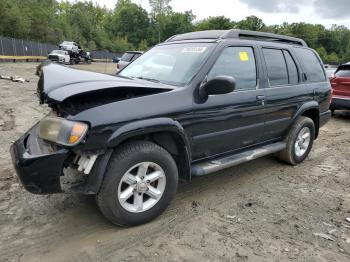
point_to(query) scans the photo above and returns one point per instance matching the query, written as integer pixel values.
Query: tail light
(331, 78)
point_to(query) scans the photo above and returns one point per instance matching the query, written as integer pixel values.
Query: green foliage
(143, 46)
(251, 23)
(214, 23)
(130, 27)
(176, 23)
(160, 7)
(131, 21)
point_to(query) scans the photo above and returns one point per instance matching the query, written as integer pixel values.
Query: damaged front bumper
(37, 164)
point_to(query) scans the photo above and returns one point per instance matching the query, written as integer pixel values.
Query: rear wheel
(139, 184)
(332, 111)
(299, 141)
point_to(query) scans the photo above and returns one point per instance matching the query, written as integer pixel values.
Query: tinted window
(127, 57)
(311, 65)
(276, 67)
(136, 56)
(293, 76)
(238, 62)
(344, 72)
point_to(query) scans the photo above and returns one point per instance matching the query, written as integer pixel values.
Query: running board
(212, 166)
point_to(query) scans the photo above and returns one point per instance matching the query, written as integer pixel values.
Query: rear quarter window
(344, 72)
(311, 65)
(136, 56)
(127, 57)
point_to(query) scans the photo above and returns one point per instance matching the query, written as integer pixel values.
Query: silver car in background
(127, 58)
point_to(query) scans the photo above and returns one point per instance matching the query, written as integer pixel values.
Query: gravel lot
(259, 211)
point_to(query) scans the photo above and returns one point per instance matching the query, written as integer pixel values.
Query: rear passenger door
(284, 91)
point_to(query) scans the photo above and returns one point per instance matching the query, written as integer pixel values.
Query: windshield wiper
(147, 79)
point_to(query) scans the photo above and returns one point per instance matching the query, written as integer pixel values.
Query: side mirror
(218, 85)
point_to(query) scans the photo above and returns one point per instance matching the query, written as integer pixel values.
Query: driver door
(229, 122)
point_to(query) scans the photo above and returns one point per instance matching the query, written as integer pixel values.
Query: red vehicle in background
(341, 88)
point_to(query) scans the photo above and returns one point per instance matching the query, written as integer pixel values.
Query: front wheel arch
(172, 142)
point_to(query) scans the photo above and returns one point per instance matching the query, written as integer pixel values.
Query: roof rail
(237, 33)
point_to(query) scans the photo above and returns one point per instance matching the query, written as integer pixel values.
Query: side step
(212, 166)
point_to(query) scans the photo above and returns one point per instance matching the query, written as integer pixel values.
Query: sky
(326, 12)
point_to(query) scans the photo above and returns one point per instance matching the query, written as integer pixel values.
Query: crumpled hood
(58, 83)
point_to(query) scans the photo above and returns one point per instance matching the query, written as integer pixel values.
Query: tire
(292, 154)
(128, 159)
(332, 111)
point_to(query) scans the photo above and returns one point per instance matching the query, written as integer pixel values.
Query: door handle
(261, 99)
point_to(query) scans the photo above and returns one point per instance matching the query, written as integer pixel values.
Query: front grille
(53, 57)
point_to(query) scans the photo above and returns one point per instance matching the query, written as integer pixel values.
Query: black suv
(195, 104)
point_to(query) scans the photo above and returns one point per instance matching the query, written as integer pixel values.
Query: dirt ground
(259, 211)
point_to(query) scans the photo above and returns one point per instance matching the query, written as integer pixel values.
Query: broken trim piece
(86, 162)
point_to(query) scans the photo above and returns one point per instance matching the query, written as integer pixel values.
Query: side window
(136, 56)
(276, 67)
(292, 68)
(311, 65)
(238, 62)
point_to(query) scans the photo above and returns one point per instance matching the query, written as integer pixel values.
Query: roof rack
(239, 34)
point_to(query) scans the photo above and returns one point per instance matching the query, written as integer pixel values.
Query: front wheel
(299, 141)
(139, 184)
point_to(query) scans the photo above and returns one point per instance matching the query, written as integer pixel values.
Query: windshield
(174, 64)
(67, 43)
(58, 52)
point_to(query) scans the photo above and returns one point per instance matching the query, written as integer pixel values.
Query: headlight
(62, 131)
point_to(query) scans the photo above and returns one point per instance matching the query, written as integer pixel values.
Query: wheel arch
(312, 111)
(165, 132)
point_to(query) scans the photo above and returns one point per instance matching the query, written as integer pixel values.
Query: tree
(129, 26)
(160, 7)
(332, 58)
(323, 53)
(215, 23)
(131, 21)
(251, 23)
(177, 23)
(143, 46)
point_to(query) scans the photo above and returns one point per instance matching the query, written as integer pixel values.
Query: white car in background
(59, 56)
(71, 47)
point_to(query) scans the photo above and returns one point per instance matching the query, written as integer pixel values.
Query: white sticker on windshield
(194, 49)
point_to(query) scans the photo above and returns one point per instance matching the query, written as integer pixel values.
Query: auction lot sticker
(244, 56)
(194, 49)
